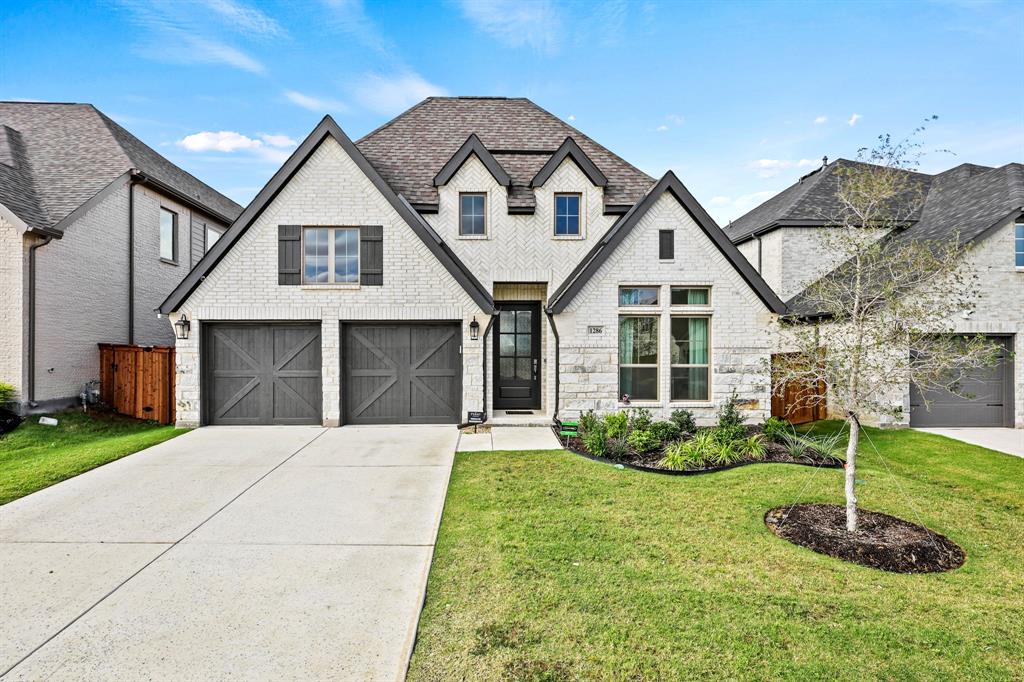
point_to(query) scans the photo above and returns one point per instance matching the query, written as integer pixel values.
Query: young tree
(882, 320)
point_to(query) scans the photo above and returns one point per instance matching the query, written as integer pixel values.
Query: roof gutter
(141, 178)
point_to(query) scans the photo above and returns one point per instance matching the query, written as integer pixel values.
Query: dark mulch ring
(775, 454)
(881, 541)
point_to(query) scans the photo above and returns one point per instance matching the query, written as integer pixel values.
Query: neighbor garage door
(261, 373)
(401, 373)
(988, 401)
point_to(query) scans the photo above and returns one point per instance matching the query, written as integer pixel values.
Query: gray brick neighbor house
(96, 229)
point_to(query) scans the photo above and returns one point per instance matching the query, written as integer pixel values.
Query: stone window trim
(485, 234)
(331, 258)
(1018, 245)
(169, 251)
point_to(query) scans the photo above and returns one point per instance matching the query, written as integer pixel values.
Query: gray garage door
(261, 373)
(988, 401)
(401, 373)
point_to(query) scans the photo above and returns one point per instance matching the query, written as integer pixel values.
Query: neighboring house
(474, 255)
(96, 229)
(983, 206)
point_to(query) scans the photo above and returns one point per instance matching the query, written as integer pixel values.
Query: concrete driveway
(228, 552)
(1010, 441)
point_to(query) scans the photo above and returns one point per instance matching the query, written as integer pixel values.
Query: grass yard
(33, 456)
(553, 567)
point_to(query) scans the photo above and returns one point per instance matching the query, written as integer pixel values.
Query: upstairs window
(212, 235)
(472, 214)
(330, 255)
(1018, 241)
(168, 235)
(567, 215)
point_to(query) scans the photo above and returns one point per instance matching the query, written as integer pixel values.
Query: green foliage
(729, 433)
(752, 446)
(7, 393)
(776, 430)
(684, 420)
(691, 454)
(827, 445)
(640, 419)
(666, 432)
(595, 437)
(588, 422)
(618, 448)
(616, 424)
(729, 413)
(643, 440)
(794, 445)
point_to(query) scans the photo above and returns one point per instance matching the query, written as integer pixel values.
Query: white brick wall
(328, 190)
(740, 323)
(13, 260)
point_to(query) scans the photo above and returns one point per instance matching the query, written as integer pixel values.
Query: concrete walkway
(249, 553)
(1010, 441)
(509, 438)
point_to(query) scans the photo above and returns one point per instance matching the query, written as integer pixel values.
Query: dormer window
(1018, 242)
(567, 215)
(472, 214)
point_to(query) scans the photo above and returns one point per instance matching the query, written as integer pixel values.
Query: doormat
(518, 411)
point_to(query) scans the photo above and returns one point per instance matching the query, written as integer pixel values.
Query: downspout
(554, 330)
(758, 238)
(32, 319)
(131, 259)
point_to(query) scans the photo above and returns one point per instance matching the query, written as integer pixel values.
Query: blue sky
(739, 99)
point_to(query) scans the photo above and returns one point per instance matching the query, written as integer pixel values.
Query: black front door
(517, 357)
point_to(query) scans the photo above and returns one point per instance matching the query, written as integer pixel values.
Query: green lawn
(35, 456)
(550, 567)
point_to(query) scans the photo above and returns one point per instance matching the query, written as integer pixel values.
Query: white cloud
(720, 201)
(820, 120)
(392, 94)
(349, 17)
(661, 128)
(203, 50)
(572, 117)
(767, 168)
(246, 19)
(853, 119)
(675, 119)
(280, 141)
(274, 148)
(516, 24)
(317, 104)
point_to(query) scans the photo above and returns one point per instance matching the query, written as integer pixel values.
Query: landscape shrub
(617, 448)
(640, 419)
(776, 429)
(684, 420)
(752, 446)
(7, 393)
(729, 416)
(588, 421)
(643, 440)
(666, 432)
(595, 438)
(616, 424)
(691, 454)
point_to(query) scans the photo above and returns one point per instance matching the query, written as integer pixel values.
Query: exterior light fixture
(474, 329)
(181, 327)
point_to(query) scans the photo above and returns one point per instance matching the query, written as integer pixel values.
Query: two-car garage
(272, 373)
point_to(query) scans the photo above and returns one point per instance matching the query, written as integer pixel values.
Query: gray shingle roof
(810, 201)
(964, 202)
(63, 154)
(409, 150)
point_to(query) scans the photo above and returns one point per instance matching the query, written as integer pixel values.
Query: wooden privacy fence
(138, 380)
(799, 402)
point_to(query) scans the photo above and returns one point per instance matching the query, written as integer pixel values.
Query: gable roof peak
(472, 146)
(571, 150)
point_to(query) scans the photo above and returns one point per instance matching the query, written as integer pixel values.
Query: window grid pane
(472, 218)
(638, 296)
(567, 214)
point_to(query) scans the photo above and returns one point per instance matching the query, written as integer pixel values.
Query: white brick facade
(13, 259)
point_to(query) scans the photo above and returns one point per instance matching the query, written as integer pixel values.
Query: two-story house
(96, 229)
(977, 205)
(474, 256)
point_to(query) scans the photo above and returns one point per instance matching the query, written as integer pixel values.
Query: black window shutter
(289, 254)
(666, 244)
(371, 255)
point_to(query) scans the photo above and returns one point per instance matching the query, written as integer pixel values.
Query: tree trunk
(851, 472)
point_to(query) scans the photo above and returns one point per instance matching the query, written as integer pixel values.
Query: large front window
(472, 214)
(690, 364)
(1018, 242)
(638, 357)
(330, 255)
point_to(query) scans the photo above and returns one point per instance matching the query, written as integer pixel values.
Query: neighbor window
(1018, 241)
(690, 363)
(567, 215)
(638, 357)
(212, 235)
(472, 216)
(691, 295)
(330, 255)
(168, 235)
(638, 296)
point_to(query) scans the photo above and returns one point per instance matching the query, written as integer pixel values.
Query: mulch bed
(776, 454)
(880, 541)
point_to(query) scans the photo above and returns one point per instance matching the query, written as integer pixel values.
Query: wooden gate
(138, 380)
(799, 402)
